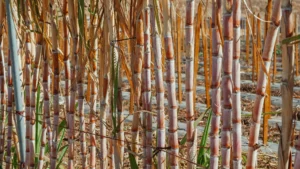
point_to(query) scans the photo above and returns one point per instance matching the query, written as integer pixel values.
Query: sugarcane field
(154, 84)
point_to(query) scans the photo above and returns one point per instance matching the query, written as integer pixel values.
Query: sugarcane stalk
(254, 49)
(93, 90)
(275, 61)
(179, 53)
(210, 57)
(3, 87)
(137, 69)
(74, 66)
(156, 42)
(247, 40)
(226, 141)
(288, 59)
(205, 61)
(147, 86)
(170, 79)
(197, 47)
(104, 100)
(267, 104)
(55, 88)
(189, 45)
(16, 76)
(258, 45)
(296, 47)
(236, 94)
(261, 85)
(9, 112)
(217, 56)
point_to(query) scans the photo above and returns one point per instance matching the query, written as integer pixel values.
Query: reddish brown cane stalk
(217, 56)
(236, 95)
(147, 86)
(9, 112)
(296, 47)
(247, 40)
(189, 45)
(137, 68)
(288, 58)
(267, 104)
(3, 90)
(161, 133)
(261, 85)
(3, 87)
(179, 53)
(56, 90)
(254, 48)
(170, 80)
(205, 61)
(226, 142)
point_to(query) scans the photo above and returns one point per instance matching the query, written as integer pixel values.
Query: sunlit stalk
(16, 74)
(170, 80)
(261, 85)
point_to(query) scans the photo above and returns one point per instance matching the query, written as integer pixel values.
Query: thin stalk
(104, 100)
(288, 59)
(275, 61)
(189, 44)
(254, 48)
(296, 47)
(46, 126)
(179, 53)
(161, 131)
(236, 94)
(258, 45)
(267, 104)
(76, 85)
(9, 112)
(261, 85)
(205, 61)
(197, 47)
(56, 90)
(247, 40)
(170, 79)
(137, 81)
(147, 85)
(93, 89)
(217, 56)
(3, 87)
(226, 142)
(16, 70)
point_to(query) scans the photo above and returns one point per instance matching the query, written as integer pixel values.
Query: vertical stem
(267, 104)
(288, 58)
(137, 69)
(236, 95)
(9, 112)
(274, 61)
(254, 48)
(179, 53)
(227, 84)
(197, 48)
(296, 46)
(189, 45)
(205, 57)
(247, 40)
(3, 87)
(261, 85)
(161, 133)
(56, 90)
(217, 55)
(16, 74)
(147, 85)
(170, 79)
